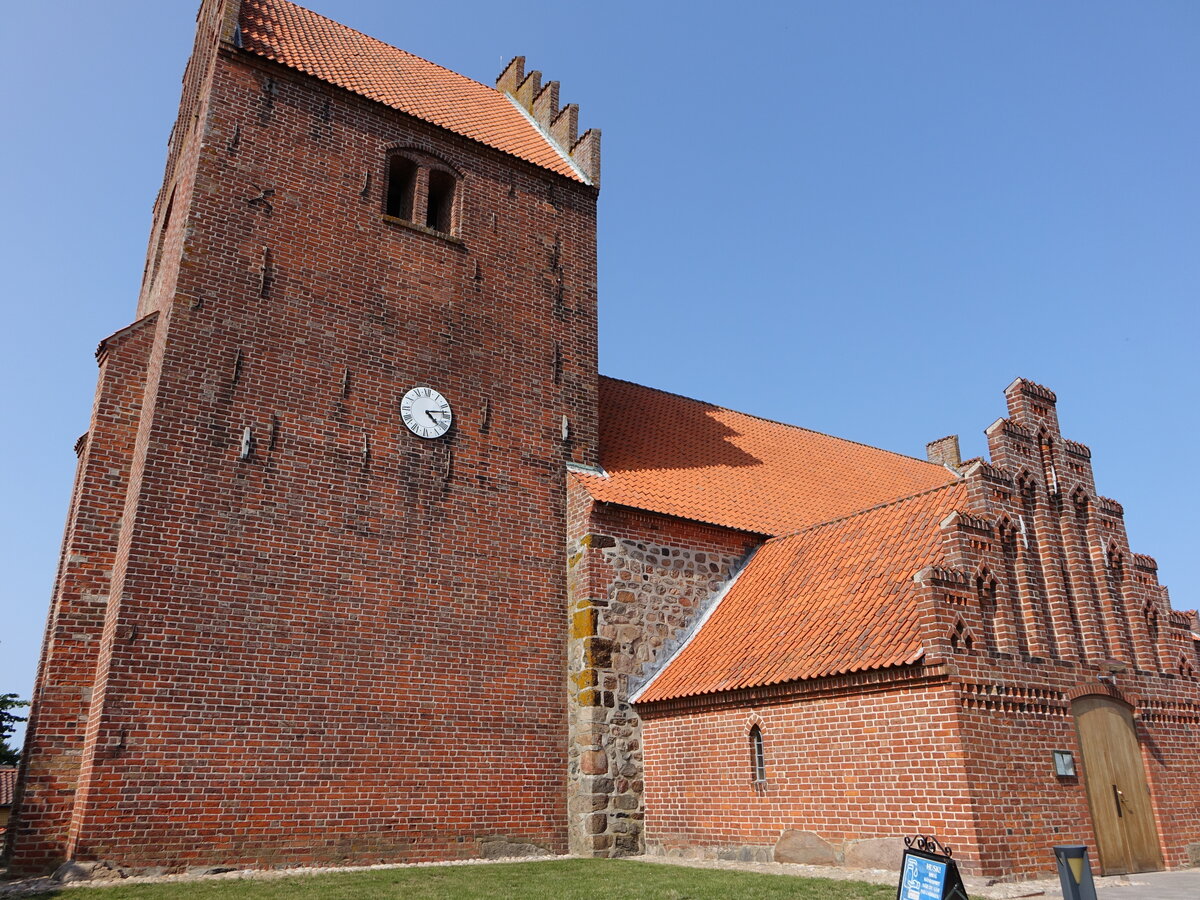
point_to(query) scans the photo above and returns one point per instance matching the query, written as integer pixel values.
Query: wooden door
(1126, 838)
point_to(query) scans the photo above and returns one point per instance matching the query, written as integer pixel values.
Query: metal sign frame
(927, 871)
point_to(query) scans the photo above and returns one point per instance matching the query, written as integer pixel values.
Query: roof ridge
(383, 43)
(868, 509)
(777, 422)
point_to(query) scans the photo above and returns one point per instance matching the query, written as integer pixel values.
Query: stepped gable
(317, 46)
(832, 599)
(682, 457)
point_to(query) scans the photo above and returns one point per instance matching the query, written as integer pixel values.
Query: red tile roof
(685, 458)
(833, 598)
(320, 47)
(8, 784)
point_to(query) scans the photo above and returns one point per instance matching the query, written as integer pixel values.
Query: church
(366, 562)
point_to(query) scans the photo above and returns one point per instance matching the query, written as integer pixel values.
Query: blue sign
(922, 878)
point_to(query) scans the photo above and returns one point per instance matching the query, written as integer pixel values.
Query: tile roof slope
(8, 784)
(831, 599)
(317, 46)
(682, 457)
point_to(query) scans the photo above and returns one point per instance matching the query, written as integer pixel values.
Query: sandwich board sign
(928, 873)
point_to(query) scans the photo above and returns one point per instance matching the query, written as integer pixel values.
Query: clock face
(426, 412)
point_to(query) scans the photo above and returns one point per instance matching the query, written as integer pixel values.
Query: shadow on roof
(643, 429)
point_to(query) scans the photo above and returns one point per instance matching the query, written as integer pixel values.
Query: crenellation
(530, 87)
(544, 106)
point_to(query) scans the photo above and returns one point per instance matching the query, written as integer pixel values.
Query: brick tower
(304, 612)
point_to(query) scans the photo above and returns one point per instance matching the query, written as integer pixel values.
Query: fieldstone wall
(637, 583)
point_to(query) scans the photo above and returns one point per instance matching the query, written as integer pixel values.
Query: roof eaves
(815, 676)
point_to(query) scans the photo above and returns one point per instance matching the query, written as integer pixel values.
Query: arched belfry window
(401, 186)
(421, 190)
(758, 760)
(439, 201)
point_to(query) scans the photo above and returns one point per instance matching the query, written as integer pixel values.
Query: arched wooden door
(1126, 838)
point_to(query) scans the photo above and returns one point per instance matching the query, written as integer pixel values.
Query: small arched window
(758, 761)
(421, 191)
(439, 203)
(401, 187)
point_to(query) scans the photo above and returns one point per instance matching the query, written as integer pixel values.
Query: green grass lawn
(572, 879)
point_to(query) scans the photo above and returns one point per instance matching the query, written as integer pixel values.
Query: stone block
(583, 623)
(587, 803)
(502, 849)
(626, 801)
(874, 853)
(596, 823)
(628, 844)
(590, 716)
(593, 762)
(1193, 854)
(72, 871)
(804, 848)
(585, 678)
(596, 785)
(627, 634)
(598, 652)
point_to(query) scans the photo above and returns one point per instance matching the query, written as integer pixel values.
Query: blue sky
(865, 218)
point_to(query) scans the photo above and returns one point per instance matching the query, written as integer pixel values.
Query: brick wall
(348, 646)
(855, 768)
(969, 760)
(62, 700)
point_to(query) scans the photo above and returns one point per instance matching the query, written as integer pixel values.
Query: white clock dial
(426, 413)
